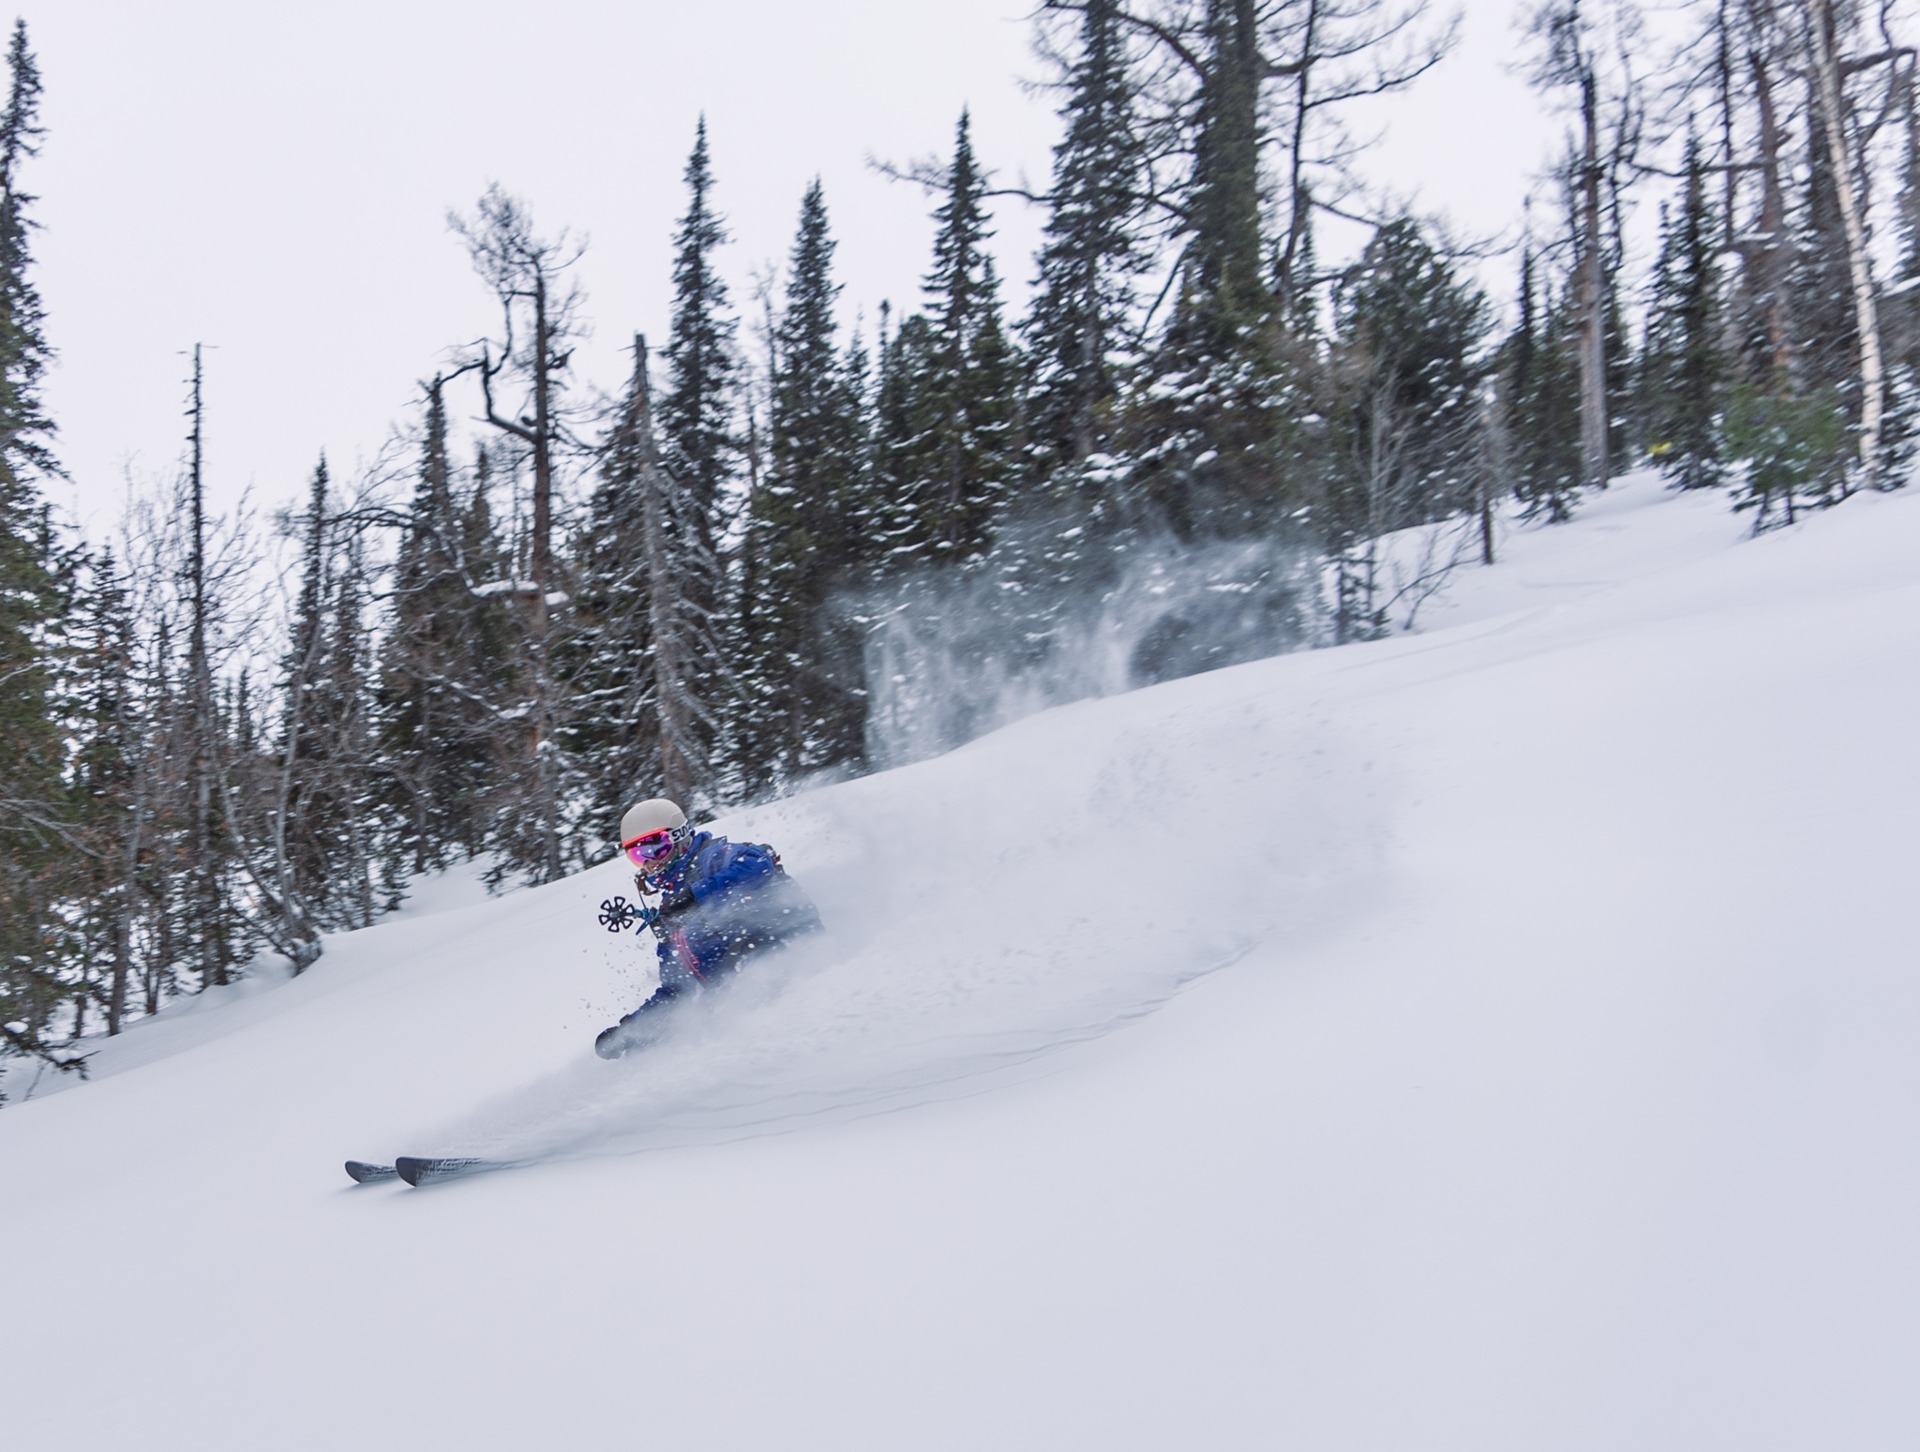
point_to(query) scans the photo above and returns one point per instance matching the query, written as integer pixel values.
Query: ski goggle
(651, 849)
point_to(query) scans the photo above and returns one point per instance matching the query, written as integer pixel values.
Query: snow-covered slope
(1501, 1037)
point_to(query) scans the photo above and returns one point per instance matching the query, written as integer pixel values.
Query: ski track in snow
(975, 924)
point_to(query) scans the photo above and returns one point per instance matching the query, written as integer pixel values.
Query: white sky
(272, 179)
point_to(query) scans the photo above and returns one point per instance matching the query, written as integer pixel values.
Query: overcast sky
(273, 179)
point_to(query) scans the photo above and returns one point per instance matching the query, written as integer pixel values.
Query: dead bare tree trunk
(1771, 244)
(1723, 83)
(540, 554)
(125, 892)
(1491, 467)
(1591, 294)
(1819, 20)
(522, 270)
(207, 906)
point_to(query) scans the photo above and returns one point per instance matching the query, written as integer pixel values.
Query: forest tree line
(688, 590)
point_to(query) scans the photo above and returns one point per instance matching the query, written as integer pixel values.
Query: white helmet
(656, 814)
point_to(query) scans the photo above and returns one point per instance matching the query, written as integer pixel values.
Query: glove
(677, 901)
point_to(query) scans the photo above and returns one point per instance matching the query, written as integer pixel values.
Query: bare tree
(1847, 164)
(1245, 118)
(539, 309)
(539, 306)
(1570, 61)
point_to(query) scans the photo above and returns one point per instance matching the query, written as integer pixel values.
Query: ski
(418, 1171)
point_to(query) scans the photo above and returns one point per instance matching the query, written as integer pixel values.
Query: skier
(721, 903)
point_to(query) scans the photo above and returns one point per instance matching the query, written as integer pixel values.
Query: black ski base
(417, 1171)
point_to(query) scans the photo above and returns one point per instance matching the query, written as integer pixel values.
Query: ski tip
(418, 1171)
(366, 1174)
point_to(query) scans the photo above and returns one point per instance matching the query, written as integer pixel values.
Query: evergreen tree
(908, 413)
(804, 698)
(644, 653)
(1408, 339)
(325, 808)
(110, 780)
(1683, 369)
(1540, 397)
(1790, 447)
(950, 470)
(1092, 253)
(1224, 291)
(366, 827)
(34, 842)
(608, 655)
(302, 827)
(1410, 331)
(33, 821)
(1218, 429)
(699, 455)
(24, 351)
(445, 662)
(696, 407)
(215, 939)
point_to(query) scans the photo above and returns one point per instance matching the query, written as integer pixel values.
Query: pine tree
(950, 471)
(643, 653)
(908, 414)
(1217, 425)
(24, 351)
(208, 916)
(696, 408)
(1408, 338)
(608, 655)
(354, 769)
(1224, 293)
(34, 843)
(1540, 396)
(1683, 367)
(115, 774)
(1411, 332)
(1091, 255)
(445, 662)
(303, 832)
(699, 454)
(326, 809)
(804, 700)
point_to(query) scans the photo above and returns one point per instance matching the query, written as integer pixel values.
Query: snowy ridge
(1517, 1052)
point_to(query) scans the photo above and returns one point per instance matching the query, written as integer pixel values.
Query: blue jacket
(743, 901)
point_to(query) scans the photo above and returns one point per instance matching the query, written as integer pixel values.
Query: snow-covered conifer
(1541, 397)
(444, 661)
(803, 698)
(1683, 365)
(33, 840)
(1092, 255)
(950, 455)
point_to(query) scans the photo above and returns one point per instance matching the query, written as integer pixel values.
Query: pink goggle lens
(652, 848)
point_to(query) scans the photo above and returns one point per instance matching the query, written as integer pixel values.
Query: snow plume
(984, 910)
(1050, 617)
